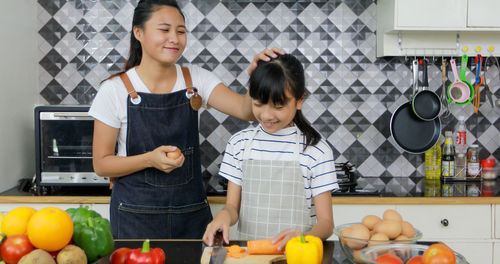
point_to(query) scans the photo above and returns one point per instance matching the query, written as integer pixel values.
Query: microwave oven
(63, 144)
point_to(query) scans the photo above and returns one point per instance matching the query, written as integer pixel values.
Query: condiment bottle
(473, 166)
(448, 160)
(433, 162)
(488, 171)
(460, 166)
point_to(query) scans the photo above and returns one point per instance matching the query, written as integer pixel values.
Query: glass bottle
(433, 162)
(448, 159)
(473, 168)
(460, 166)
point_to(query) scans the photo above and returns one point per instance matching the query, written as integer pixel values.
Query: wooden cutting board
(247, 259)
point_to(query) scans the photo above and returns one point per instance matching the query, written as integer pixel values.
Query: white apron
(272, 196)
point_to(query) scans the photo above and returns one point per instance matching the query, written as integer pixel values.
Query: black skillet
(411, 133)
(426, 104)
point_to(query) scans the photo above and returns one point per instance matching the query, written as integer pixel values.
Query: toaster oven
(63, 143)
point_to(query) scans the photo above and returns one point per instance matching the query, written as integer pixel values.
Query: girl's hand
(286, 235)
(264, 55)
(159, 160)
(212, 228)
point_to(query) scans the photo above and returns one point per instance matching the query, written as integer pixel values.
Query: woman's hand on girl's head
(159, 160)
(284, 236)
(264, 55)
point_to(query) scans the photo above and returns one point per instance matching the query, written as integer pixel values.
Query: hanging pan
(411, 133)
(426, 104)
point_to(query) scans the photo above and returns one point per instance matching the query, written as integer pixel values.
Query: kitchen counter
(190, 251)
(368, 191)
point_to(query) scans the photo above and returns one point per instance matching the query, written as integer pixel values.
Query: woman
(151, 110)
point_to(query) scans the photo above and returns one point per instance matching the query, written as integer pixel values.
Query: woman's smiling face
(163, 37)
(276, 117)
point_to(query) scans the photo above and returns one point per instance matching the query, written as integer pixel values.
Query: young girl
(151, 109)
(281, 173)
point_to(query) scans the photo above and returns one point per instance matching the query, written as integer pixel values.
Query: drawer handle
(444, 222)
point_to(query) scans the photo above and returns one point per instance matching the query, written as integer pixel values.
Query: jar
(488, 172)
(473, 166)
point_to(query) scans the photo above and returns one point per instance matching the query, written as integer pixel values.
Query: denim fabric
(151, 203)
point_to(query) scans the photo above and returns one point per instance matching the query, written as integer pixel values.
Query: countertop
(190, 251)
(368, 191)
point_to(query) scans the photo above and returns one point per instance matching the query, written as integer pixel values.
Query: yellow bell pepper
(304, 250)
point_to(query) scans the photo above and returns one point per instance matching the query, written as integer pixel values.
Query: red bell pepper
(146, 255)
(120, 256)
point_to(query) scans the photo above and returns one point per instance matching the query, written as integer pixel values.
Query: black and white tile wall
(352, 92)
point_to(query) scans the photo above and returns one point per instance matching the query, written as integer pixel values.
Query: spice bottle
(473, 166)
(448, 160)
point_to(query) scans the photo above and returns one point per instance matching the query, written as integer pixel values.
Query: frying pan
(411, 133)
(426, 104)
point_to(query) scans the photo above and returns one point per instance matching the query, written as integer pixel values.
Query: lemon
(15, 222)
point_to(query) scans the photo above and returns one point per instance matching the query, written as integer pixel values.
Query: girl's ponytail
(312, 136)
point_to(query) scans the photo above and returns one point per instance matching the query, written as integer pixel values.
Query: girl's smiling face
(276, 117)
(163, 37)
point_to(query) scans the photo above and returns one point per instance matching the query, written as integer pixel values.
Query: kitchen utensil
(486, 87)
(411, 133)
(477, 84)
(218, 251)
(247, 259)
(459, 92)
(403, 251)
(425, 104)
(347, 242)
(445, 105)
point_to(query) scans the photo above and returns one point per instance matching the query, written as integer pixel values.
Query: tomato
(15, 247)
(388, 259)
(415, 260)
(119, 256)
(439, 253)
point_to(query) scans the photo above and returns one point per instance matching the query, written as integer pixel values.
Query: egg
(389, 227)
(370, 221)
(402, 237)
(355, 255)
(174, 154)
(345, 232)
(392, 215)
(379, 239)
(358, 231)
(407, 229)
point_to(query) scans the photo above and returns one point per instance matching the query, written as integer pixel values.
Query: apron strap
(187, 79)
(130, 88)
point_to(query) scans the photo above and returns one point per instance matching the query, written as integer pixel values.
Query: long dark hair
(270, 80)
(142, 13)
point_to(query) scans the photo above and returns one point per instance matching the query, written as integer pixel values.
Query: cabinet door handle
(444, 222)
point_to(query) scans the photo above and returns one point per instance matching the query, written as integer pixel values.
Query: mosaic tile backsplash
(352, 93)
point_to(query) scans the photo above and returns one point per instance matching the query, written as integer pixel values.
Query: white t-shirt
(110, 104)
(317, 162)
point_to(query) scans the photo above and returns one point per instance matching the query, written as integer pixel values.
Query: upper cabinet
(437, 27)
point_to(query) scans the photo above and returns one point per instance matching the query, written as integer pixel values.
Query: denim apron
(151, 203)
(272, 196)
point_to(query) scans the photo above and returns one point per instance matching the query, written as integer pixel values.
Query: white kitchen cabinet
(475, 251)
(496, 252)
(5, 207)
(483, 14)
(450, 221)
(497, 223)
(437, 28)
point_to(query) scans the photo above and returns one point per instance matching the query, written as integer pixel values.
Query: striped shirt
(317, 162)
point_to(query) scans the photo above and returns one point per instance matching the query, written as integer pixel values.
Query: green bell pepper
(94, 237)
(81, 214)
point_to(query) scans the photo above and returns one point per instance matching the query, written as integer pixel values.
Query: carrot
(263, 247)
(236, 255)
(235, 249)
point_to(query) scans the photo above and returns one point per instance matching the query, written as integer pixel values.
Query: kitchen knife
(218, 252)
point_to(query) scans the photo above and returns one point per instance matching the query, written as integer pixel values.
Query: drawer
(462, 221)
(474, 251)
(497, 223)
